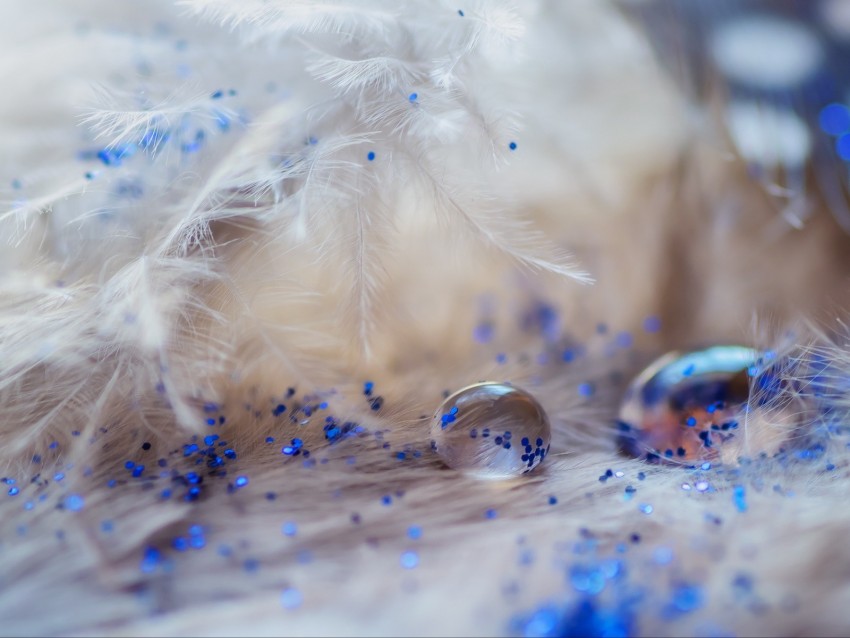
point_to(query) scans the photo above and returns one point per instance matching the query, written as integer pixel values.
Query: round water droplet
(491, 430)
(684, 406)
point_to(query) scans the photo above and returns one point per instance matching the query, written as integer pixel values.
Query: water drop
(491, 430)
(685, 406)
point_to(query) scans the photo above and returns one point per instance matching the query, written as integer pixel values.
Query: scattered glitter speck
(409, 560)
(291, 598)
(74, 502)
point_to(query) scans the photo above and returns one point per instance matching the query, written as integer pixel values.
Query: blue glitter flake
(180, 544)
(150, 560)
(512, 146)
(739, 497)
(842, 146)
(585, 389)
(652, 324)
(289, 529)
(414, 532)
(413, 97)
(370, 156)
(74, 502)
(241, 481)
(409, 560)
(645, 508)
(291, 598)
(491, 513)
(685, 599)
(834, 119)
(13, 491)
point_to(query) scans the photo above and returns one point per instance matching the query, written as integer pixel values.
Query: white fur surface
(264, 260)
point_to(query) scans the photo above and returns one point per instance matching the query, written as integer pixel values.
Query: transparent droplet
(685, 406)
(491, 430)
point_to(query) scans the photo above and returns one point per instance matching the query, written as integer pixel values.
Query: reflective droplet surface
(491, 430)
(685, 406)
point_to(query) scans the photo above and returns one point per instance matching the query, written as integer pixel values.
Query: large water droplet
(685, 406)
(491, 430)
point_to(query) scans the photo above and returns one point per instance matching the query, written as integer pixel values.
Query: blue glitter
(842, 146)
(409, 560)
(685, 599)
(585, 389)
(386, 500)
(490, 513)
(269, 439)
(291, 598)
(370, 156)
(740, 498)
(225, 551)
(218, 94)
(460, 12)
(413, 97)
(553, 500)
(74, 502)
(180, 544)
(13, 491)
(414, 532)
(690, 422)
(588, 580)
(151, 559)
(834, 119)
(210, 439)
(512, 146)
(289, 529)
(663, 555)
(241, 481)
(137, 471)
(645, 508)
(210, 421)
(652, 324)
